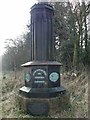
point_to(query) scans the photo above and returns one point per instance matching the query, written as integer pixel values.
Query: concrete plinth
(42, 106)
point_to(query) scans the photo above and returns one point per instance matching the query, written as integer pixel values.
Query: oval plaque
(54, 76)
(27, 77)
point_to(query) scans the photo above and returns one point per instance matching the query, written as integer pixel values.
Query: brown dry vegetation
(76, 85)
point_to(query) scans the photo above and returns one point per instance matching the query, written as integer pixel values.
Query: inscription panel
(37, 108)
(39, 75)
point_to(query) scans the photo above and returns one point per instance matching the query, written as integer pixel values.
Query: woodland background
(71, 36)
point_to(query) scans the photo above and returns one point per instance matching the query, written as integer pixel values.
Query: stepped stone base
(42, 106)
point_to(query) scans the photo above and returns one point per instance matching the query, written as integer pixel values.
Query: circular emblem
(54, 76)
(27, 77)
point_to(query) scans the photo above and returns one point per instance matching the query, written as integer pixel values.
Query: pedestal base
(41, 92)
(42, 106)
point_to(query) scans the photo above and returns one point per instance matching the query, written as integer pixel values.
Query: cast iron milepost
(42, 74)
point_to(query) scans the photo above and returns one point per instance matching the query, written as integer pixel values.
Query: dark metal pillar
(42, 32)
